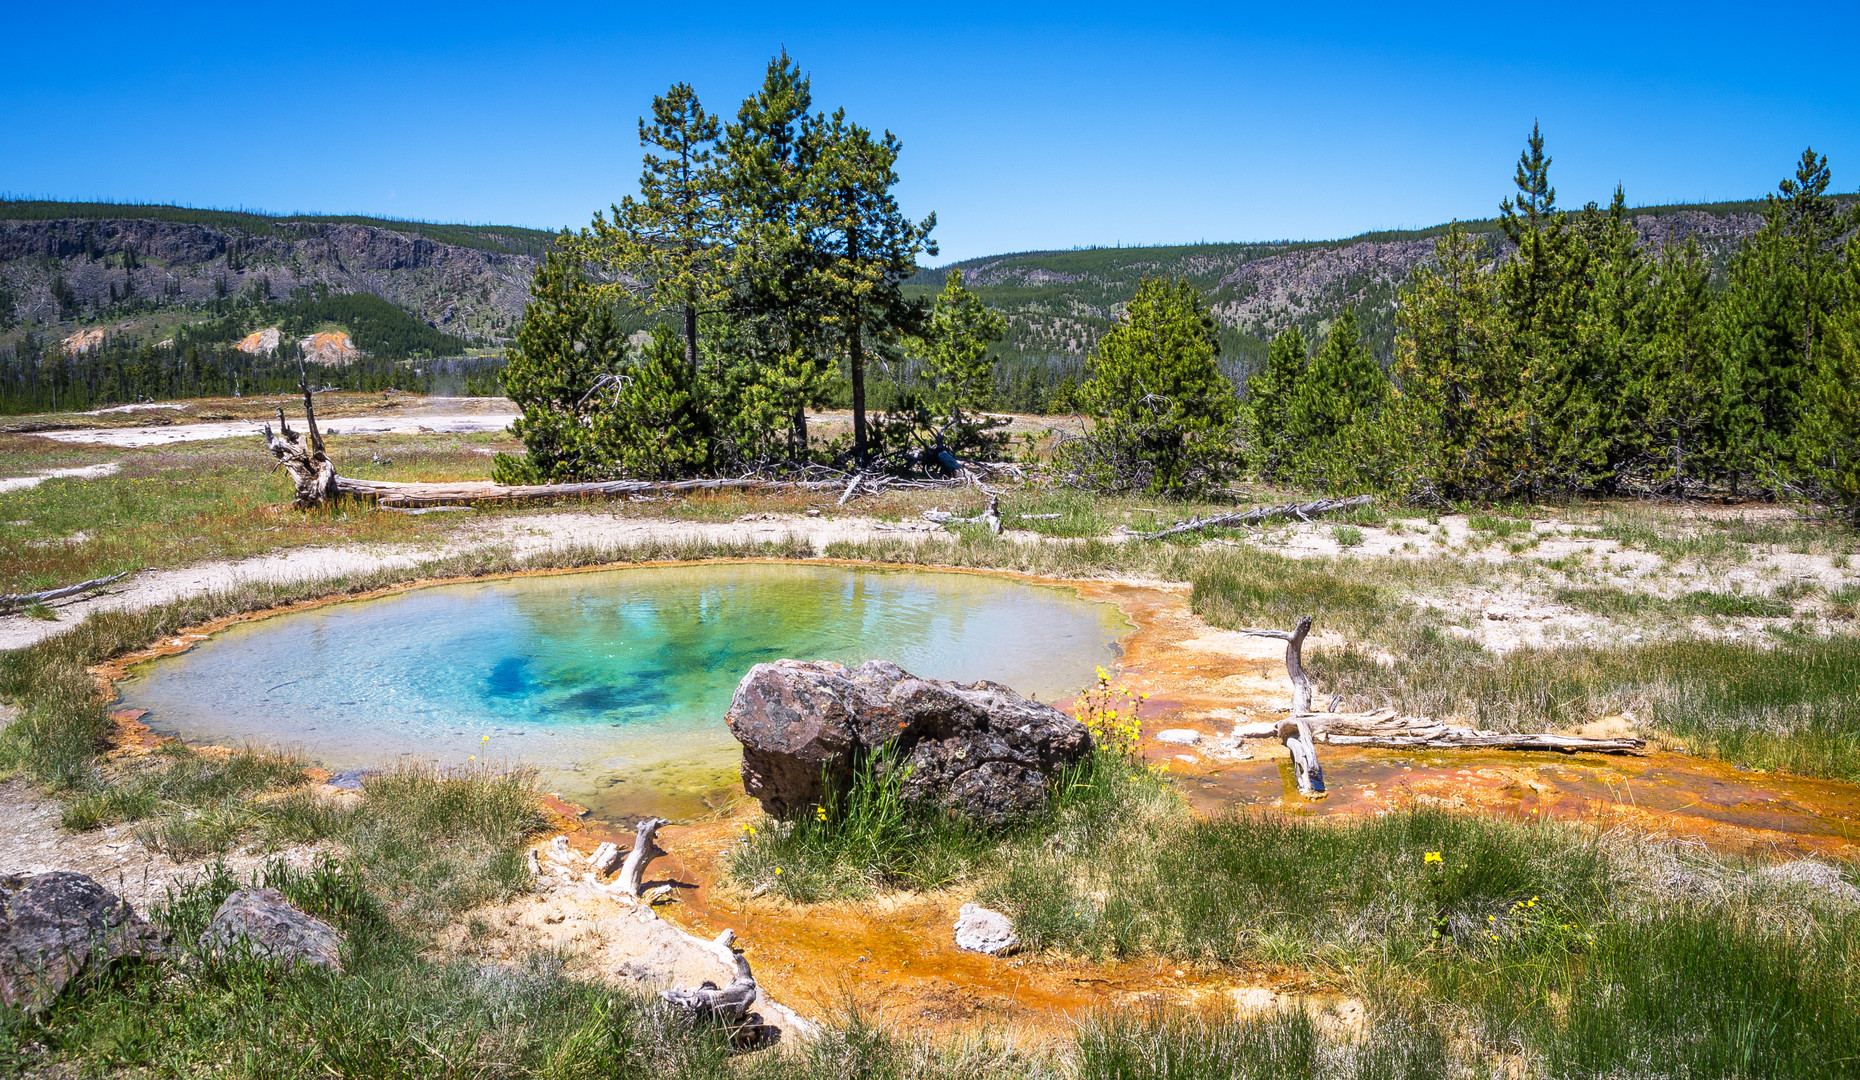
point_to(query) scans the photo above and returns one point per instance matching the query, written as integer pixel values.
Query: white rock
(1253, 999)
(1179, 736)
(981, 930)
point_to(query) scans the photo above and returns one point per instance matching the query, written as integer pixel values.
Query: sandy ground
(523, 535)
(82, 472)
(167, 434)
(33, 843)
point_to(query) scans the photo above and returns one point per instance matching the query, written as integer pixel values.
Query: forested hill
(64, 261)
(1059, 302)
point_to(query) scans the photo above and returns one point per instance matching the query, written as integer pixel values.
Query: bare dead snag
(1294, 661)
(311, 471)
(1295, 733)
(729, 1004)
(645, 849)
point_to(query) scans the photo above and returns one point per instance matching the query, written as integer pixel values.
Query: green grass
(1347, 536)
(1499, 528)
(1608, 600)
(1791, 705)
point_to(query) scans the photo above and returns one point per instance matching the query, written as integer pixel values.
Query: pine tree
(777, 334)
(1268, 396)
(1457, 423)
(653, 425)
(957, 369)
(672, 241)
(563, 367)
(1832, 442)
(1335, 404)
(863, 246)
(1541, 311)
(1164, 414)
(1596, 426)
(1781, 291)
(1679, 385)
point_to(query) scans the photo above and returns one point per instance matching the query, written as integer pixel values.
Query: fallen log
(392, 494)
(10, 601)
(1303, 512)
(1386, 728)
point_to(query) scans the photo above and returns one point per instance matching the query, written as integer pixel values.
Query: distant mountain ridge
(1059, 302)
(467, 280)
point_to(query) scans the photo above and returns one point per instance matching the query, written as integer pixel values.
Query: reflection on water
(613, 683)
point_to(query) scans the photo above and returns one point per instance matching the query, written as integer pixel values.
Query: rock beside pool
(1179, 736)
(978, 748)
(55, 925)
(981, 930)
(263, 921)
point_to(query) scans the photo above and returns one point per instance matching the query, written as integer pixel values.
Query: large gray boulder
(977, 748)
(53, 926)
(263, 921)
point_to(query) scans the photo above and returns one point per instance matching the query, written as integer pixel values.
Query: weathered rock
(978, 748)
(263, 921)
(53, 926)
(1179, 736)
(981, 930)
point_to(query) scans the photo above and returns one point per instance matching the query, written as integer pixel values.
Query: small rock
(53, 926)
(1253, 999)
(272, 927)
(981, 930)
(1179, 736)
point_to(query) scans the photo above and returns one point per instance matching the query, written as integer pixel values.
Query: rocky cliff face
(460, 290)
(1059, 303)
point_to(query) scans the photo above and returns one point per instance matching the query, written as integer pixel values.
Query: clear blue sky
(1023, 127)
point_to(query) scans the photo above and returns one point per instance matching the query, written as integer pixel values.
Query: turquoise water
(613, 684)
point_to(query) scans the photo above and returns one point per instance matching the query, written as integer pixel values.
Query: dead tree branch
(12, 601)
(1303, 512)
(645, 849)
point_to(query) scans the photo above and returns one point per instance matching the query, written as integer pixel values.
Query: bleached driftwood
(1384, 727)
(1296, 735)
(1301, 511)
(708, 1001)
(311, 471)
(645, 849)
(1387, 728)
(18, 600)
(1294, 661)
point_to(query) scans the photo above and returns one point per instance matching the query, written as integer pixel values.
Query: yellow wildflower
(1433, 856)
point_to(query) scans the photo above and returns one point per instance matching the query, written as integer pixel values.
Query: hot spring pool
(612, 684)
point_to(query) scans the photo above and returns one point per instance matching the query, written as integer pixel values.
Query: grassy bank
(1473, 940)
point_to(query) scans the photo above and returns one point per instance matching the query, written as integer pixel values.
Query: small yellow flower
(486, 739)
(778, 869)
(1432, 856)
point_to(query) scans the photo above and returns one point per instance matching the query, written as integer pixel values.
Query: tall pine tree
(1334, 408)
(672, 241)
(1268, 397)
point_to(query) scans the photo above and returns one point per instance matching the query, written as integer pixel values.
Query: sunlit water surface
(613, 684)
